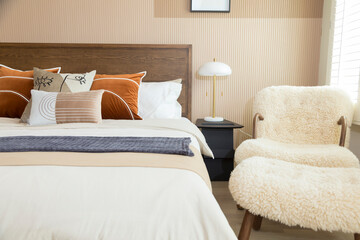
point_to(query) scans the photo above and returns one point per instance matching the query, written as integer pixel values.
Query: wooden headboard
(162, 62)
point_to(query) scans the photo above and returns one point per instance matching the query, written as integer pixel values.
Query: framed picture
(210, 5)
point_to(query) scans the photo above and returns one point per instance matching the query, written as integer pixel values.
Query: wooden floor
(269, 230)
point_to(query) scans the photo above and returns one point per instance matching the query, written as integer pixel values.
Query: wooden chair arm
(256, 117)
(342, 121)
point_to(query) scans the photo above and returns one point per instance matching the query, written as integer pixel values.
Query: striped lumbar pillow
(53, 107)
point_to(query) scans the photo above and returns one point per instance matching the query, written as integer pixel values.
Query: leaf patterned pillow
(64, 82)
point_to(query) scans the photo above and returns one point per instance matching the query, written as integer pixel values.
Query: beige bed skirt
(123, 159)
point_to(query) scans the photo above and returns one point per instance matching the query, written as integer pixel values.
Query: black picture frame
(211, 11)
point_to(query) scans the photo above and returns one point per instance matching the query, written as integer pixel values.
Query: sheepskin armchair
(303, 125)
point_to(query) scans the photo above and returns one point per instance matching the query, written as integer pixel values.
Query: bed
(108, 195)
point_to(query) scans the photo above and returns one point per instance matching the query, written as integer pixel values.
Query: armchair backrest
(303, 115)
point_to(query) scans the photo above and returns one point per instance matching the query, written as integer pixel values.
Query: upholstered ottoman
(294, 194)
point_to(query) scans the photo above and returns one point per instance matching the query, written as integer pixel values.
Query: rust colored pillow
(15, 87)
(120, 99)
(7, 71)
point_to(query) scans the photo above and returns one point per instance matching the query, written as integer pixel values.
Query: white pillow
(79, 82)
(159, 99)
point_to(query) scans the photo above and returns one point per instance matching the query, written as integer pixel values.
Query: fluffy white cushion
(159, 99)
(303, 115)
(321, 155)
(295, 194)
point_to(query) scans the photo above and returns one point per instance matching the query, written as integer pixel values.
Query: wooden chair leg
(239, 207)
(356, 236)
(257, 223)
(246, 226)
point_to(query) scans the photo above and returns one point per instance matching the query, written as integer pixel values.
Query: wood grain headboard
(162, 62)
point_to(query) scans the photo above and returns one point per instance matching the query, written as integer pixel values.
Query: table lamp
(214, 69)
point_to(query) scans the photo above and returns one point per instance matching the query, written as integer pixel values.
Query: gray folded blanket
(165, 145)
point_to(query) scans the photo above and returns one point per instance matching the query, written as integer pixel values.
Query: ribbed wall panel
(261, 51)
(245, 9)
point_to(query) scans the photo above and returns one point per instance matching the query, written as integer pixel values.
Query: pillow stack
(49, 97)
(54, 82)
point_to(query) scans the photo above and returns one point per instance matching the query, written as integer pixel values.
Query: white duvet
(103, 203)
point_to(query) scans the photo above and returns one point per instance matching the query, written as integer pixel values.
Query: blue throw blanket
(165, 145)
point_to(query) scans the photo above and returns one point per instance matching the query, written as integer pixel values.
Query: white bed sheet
(53, 202)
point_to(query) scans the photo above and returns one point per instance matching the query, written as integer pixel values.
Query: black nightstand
(220, 138)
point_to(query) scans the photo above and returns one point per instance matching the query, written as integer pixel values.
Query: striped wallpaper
(276, 43)
(245, 9)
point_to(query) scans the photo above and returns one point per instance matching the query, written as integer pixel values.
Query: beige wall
(244, 9)
(265, 42)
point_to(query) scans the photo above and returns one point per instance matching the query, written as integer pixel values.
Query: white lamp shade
(214, 68)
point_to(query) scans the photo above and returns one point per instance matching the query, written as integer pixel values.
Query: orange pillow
(120, 99)
(15, 87)
(7, 71)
